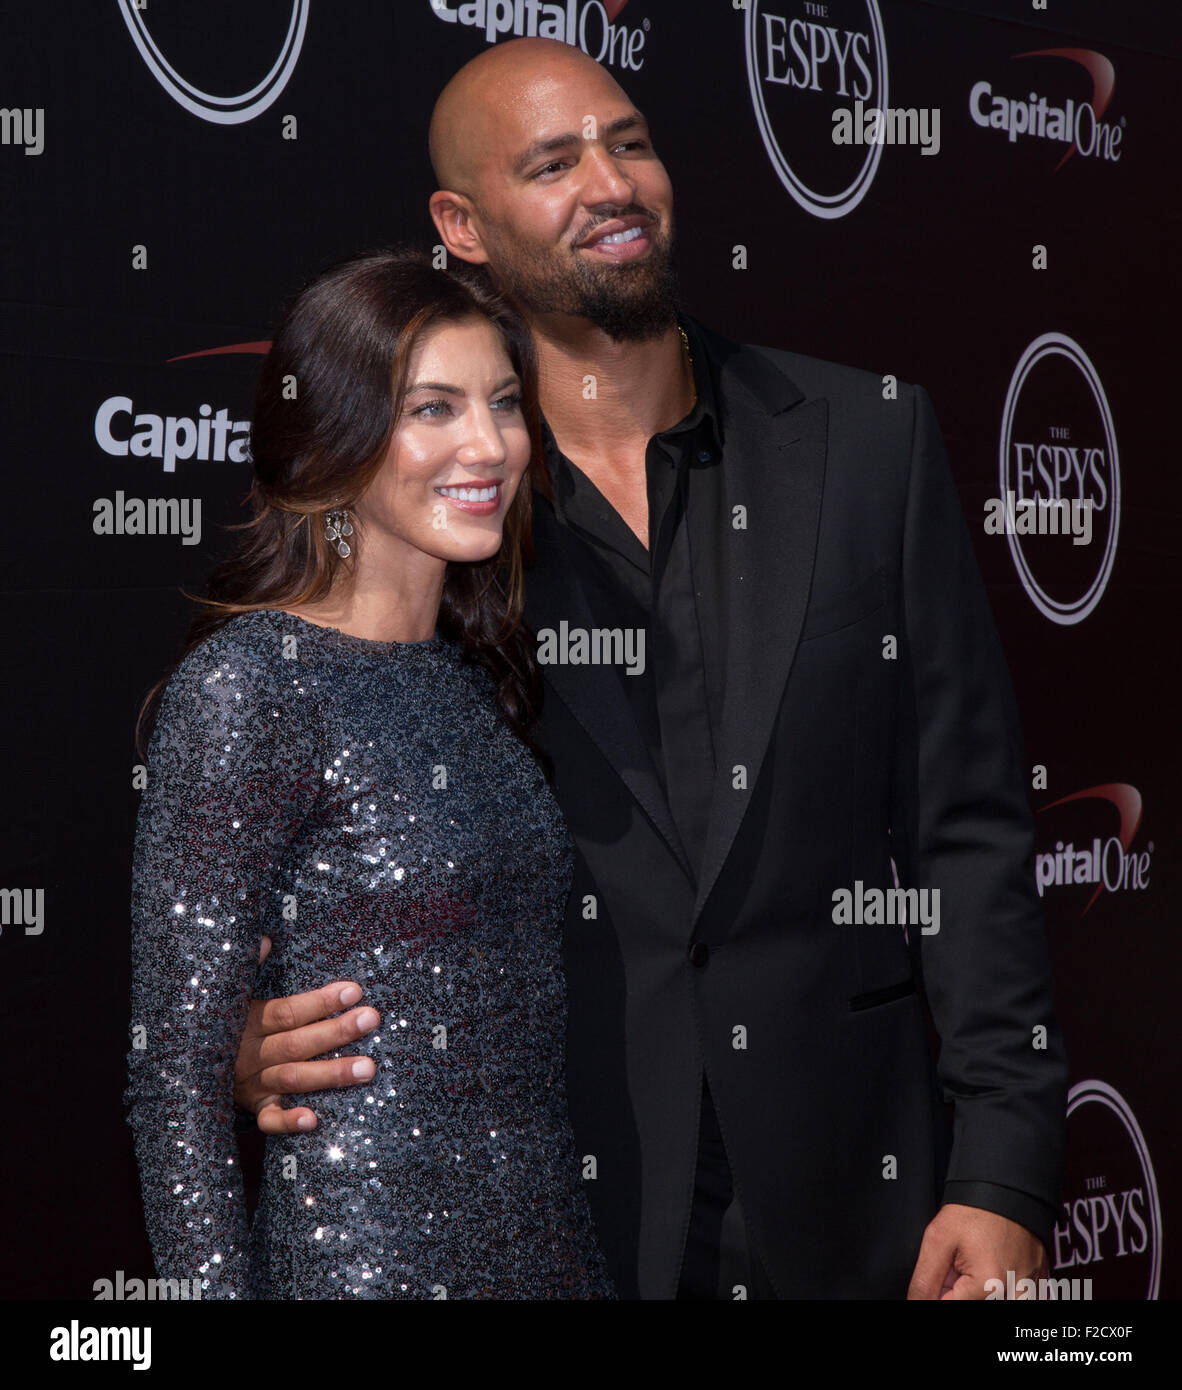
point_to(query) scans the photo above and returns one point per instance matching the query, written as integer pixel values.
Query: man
(820, 701)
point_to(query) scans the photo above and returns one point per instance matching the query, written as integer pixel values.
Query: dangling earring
(336, 527)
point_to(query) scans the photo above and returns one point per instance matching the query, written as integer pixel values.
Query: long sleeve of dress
(233, 769)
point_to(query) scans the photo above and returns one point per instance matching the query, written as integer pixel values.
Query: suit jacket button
(699, 953)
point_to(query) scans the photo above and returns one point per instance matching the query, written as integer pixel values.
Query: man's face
(575, 210)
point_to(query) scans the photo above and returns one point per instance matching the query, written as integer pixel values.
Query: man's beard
(630, 300)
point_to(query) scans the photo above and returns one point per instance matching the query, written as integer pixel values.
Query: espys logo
(1111, 1227)
(798, 69)
(231, 110)
(1058, 442)
(586, 24)
(1076, 124)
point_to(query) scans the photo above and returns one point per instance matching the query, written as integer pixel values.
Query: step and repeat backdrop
(982, 198)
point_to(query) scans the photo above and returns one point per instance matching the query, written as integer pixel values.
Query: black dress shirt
(673, 590)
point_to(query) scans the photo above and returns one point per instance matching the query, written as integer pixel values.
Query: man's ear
(452, 215)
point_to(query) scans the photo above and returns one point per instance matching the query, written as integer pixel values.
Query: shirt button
(699, 953)
(705, 456)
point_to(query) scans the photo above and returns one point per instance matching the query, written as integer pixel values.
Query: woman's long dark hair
(329, 397)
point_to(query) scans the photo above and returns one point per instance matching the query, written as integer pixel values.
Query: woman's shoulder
(236, 714)
(252, 642)
(246, 662)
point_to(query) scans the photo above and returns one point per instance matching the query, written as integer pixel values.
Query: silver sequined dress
(363, 805)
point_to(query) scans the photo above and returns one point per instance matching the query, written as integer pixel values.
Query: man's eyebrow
(634, 121)
(457, 390)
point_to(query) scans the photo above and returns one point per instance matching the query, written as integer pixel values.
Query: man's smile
(622, 239)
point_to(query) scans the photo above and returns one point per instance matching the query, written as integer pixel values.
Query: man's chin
(630, 301)
(630, 318)
(629, 328)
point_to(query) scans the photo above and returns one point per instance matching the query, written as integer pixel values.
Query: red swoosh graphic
(613, 8)
(1098, 68)
(261, 348)
(1126, 799)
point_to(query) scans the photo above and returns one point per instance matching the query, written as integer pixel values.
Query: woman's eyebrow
(456, 390)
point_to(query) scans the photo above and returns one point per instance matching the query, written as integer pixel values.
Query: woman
(341, 761)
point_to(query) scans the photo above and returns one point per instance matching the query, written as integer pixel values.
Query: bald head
(480, 114)
(536, 149)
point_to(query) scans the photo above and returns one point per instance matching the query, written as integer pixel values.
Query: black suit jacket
(841, 749)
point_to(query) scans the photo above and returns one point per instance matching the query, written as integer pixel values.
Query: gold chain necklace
(689, 357)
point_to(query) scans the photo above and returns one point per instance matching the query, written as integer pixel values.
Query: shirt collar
(703, 415)
(705, 410)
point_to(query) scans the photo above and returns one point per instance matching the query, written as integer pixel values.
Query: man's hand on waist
(280, 1039)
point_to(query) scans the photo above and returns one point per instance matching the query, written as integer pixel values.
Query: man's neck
(605, 400)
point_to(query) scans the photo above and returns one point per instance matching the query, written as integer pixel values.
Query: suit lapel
(774, 461)
(592, 693)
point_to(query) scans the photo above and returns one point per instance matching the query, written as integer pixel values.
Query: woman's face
(457, 454)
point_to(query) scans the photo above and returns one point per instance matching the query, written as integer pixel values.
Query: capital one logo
(222, 110)
(1058, 444)
(1075, 123)
(1110, 1227)
(587, 24)
(1080, 856)
(799, 67)
(122, 430)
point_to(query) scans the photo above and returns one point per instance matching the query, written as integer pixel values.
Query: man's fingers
(295, 1078)
(315, 1039)
(935, 1257)
(274, 1119)
(281, 1038)
(295, 1010)
(965, 1288)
